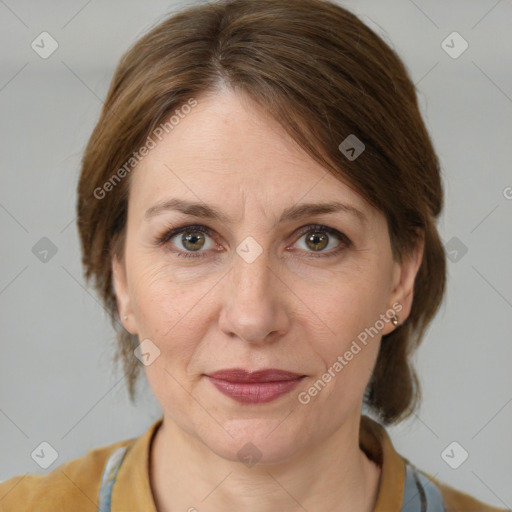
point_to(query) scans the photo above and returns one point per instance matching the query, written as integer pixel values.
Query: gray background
(57, 382)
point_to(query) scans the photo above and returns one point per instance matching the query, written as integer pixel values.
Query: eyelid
(170, 233)
(322, 227)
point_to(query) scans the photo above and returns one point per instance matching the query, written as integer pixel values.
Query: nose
(255, 302)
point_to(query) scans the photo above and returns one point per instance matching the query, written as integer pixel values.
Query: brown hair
(323, 75)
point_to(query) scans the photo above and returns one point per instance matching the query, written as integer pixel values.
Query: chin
(251, 441)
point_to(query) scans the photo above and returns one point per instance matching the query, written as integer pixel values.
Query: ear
(123, 297)
(404, 275)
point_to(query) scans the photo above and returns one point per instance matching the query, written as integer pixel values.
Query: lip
(261, 386)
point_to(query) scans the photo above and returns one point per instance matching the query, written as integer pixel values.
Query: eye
(191, 240)
(318, 237)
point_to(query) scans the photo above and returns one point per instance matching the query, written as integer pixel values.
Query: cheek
(348, 303)
(168, 311)
(158, 298)
(347, 340)
(164, 312)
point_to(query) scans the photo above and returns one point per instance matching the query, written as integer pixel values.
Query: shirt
(75, 485)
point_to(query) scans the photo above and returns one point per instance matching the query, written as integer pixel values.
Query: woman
(257, 208)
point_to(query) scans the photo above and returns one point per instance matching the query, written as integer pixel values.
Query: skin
(285, 310)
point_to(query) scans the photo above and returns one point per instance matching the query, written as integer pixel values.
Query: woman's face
(257, 291)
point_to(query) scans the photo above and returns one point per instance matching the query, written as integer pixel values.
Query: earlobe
(404, 279)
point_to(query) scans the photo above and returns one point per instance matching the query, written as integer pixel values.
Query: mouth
(261, 386)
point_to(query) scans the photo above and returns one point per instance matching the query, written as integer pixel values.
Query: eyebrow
(294, 212)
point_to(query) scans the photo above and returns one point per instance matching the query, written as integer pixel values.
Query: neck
(334, 476)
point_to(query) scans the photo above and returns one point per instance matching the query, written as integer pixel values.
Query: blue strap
(420, 494)
(109, 477)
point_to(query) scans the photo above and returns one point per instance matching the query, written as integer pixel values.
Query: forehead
(228, 150)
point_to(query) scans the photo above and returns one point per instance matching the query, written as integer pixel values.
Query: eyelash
(170, 234)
